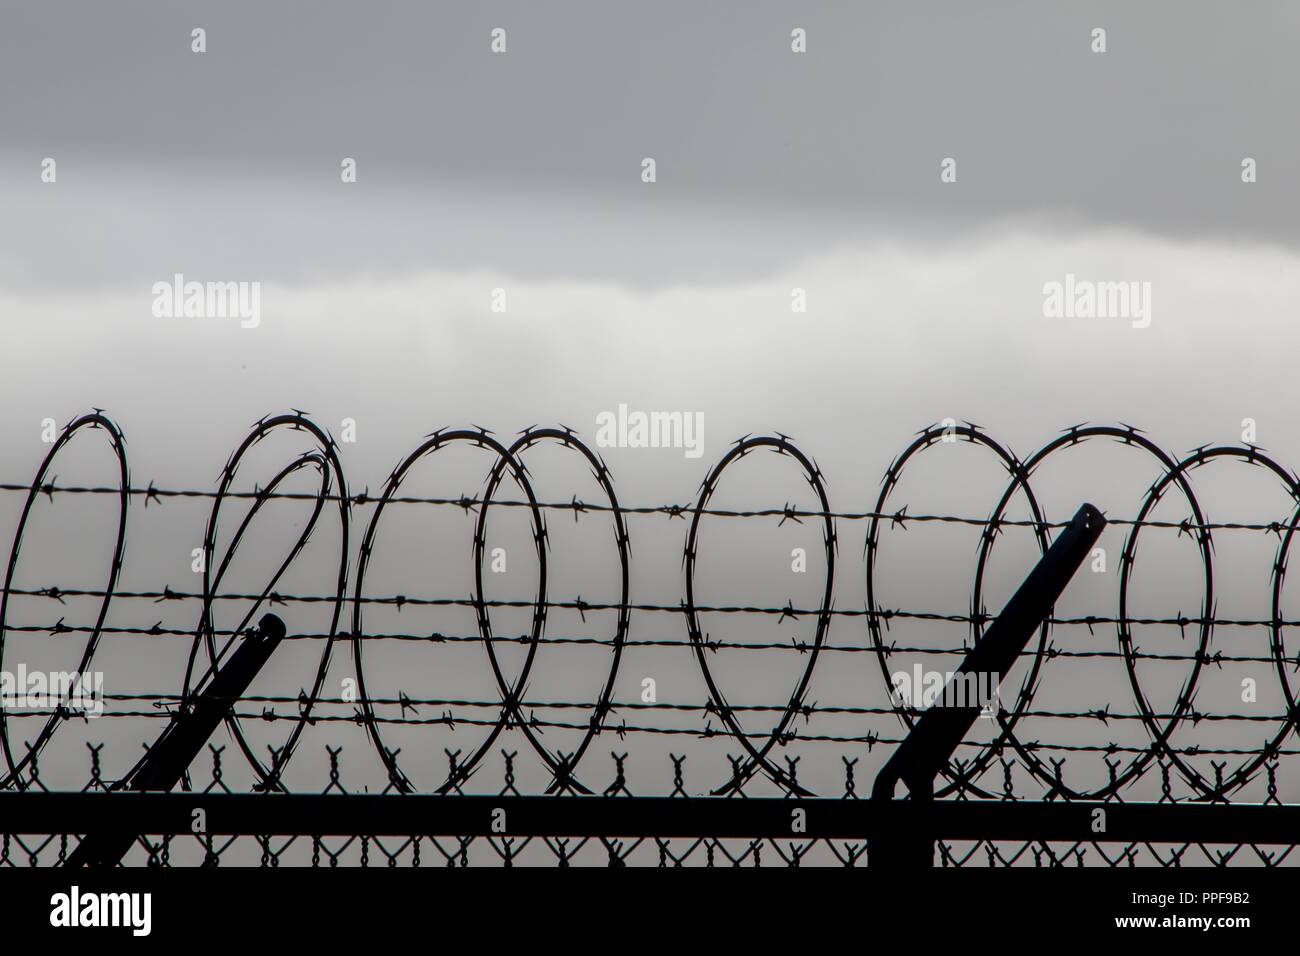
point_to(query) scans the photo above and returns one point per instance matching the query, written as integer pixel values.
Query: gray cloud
(842, 141)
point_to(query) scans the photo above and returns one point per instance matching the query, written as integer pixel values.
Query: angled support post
(183, 739)
(905, 839)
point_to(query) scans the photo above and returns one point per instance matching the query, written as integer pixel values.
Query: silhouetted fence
(982, 815)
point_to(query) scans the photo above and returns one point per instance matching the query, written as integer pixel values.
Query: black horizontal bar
(768, 817)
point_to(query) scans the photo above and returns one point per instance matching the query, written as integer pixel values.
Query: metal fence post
(178, 745)
(905, 838)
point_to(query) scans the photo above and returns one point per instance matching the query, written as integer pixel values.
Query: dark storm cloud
(854, 129)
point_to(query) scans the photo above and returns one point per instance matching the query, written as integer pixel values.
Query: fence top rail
(395, 814)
